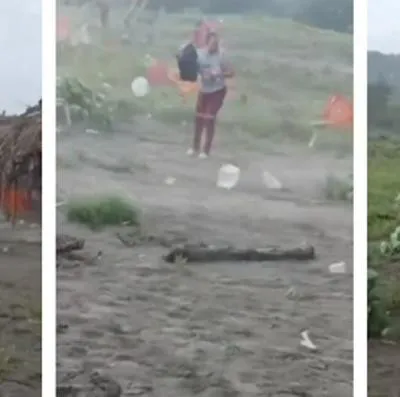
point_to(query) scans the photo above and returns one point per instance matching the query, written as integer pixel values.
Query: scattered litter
(140, 87)
(170, 180)
(384, 247)
(228, 176)
(385, 332)
(91, 131)
(306, 341)
(270, 181)
(148, 60)
(338, 267)
(107, 87)
(84, 35)
(5, 249)
(314, 137)
(149, 116)
(291, 293)
(21, 222)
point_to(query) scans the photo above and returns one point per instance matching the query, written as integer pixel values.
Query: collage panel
(20, 199)
(205, 198)
(383, 198)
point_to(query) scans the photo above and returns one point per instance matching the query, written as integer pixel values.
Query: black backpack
(187, 63)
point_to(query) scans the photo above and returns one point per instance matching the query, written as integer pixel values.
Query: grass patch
(383, 189)
(383, 245)
(96, 213)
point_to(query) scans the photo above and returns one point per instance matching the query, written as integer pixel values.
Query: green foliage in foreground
(384, 239)
(97, 213)
(383, 189)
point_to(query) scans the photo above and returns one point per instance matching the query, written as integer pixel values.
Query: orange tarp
(16, 202)
(157, 74)
(185, 88)
(338, 112)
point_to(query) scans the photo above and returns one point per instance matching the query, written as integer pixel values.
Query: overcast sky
(384, 25)
(20, 52)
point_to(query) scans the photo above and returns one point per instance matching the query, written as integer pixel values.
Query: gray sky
(384, 25)
(21, 54)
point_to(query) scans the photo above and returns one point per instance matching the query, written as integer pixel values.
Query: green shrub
(96, 213)
(378, 319)
(383, 239)
(383, 189)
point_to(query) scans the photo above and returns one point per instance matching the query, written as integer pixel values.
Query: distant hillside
(385, 68)
(324, 14)
(383, 94)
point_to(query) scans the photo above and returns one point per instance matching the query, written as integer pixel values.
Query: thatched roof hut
(21, 153)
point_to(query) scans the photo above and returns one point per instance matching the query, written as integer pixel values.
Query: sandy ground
(212, 330)
(383, 369)
(20, 313)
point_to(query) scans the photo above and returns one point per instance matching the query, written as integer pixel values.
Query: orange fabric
(188, 88)
(16, 202)
(339, 112)
(185, 88)
(63, 29)
(157, 74)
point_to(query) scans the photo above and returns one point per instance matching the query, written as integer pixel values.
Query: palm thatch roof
(21, 144)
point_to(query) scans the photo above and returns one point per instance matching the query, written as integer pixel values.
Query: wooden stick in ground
(202, 253)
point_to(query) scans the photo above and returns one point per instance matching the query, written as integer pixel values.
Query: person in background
(104, 10)
(213, 69)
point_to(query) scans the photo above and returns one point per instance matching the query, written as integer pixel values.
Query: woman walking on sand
(213, 70)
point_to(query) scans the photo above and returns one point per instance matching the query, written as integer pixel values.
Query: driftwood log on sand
(69, 255)
(206, 253)
(66, 244)
(21, 155)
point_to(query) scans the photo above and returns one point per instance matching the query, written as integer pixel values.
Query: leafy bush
(96, 107)
(384, 239)
(378, 320)
(99, 212)
(383, 189)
